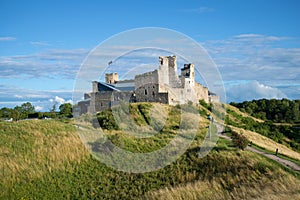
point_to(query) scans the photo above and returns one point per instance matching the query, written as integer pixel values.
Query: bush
(239, 140)
(208, 106)
(202, 112)
(106, 120)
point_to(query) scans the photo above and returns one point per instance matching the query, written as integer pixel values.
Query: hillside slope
(285, 135)
(228, 106)
(267, 143)
(47, 160)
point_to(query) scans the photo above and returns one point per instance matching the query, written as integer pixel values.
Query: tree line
(27, 110)
(281, 111)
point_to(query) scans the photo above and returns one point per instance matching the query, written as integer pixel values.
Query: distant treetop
(283, 111)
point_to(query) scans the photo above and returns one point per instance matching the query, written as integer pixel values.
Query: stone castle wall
(149, 93)
(214, 98)
(162, 85)
(104, 100)
(150, 86)
(202, 92)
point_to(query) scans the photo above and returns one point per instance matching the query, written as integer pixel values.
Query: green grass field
(45, 159)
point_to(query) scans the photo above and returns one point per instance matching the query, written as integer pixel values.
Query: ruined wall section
(101, 101)
(146, 78)
(82, 107)
(147, 88)
(190, 92)
(167, 74)
(162, 85)
(163, 73)
(182, 95)
(214, 98)
(188, 75)
(174, 80)
(187, 90)
(202, 92)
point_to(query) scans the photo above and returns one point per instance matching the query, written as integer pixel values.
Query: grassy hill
(45, 159)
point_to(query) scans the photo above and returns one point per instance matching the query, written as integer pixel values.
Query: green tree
(27, 108)
(65, 110)
(17, 113)
(21, 112)
(6, 112)
(53, 109)
(283, 110)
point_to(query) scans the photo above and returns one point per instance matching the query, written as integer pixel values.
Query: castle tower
(188, 71)
(168, 71)
(172, 62)
(95, 86)
(163, 70)
(111, 78)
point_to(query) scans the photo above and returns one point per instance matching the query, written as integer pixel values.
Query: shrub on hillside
(239, 140)
(106, 120)
(208, 106)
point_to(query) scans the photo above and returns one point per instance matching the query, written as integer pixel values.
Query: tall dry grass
(267, 143)
(256, 178)
(285, 187)
(29, 149)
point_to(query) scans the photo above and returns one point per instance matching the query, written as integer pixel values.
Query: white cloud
(51, 63)
(7, 38)
(69, 101)
(265, 58)
(59, 100)
(259, 37)
(38, 108)
(18, 96)
(14, 95)
(252, 90)
(39, 43)
(37, 96)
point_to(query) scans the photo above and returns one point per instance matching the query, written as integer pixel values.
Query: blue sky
(255, 44)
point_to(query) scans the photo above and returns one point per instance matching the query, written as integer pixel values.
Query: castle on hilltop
(162, 85)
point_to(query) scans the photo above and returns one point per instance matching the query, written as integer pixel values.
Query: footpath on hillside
(282, 161)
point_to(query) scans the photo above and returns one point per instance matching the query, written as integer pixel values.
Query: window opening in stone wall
(153, 93)
(145, 92)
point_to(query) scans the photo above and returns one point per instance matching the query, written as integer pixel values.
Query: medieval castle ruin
(162, 85)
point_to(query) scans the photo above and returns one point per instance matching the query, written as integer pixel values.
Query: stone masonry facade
(162, 85)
